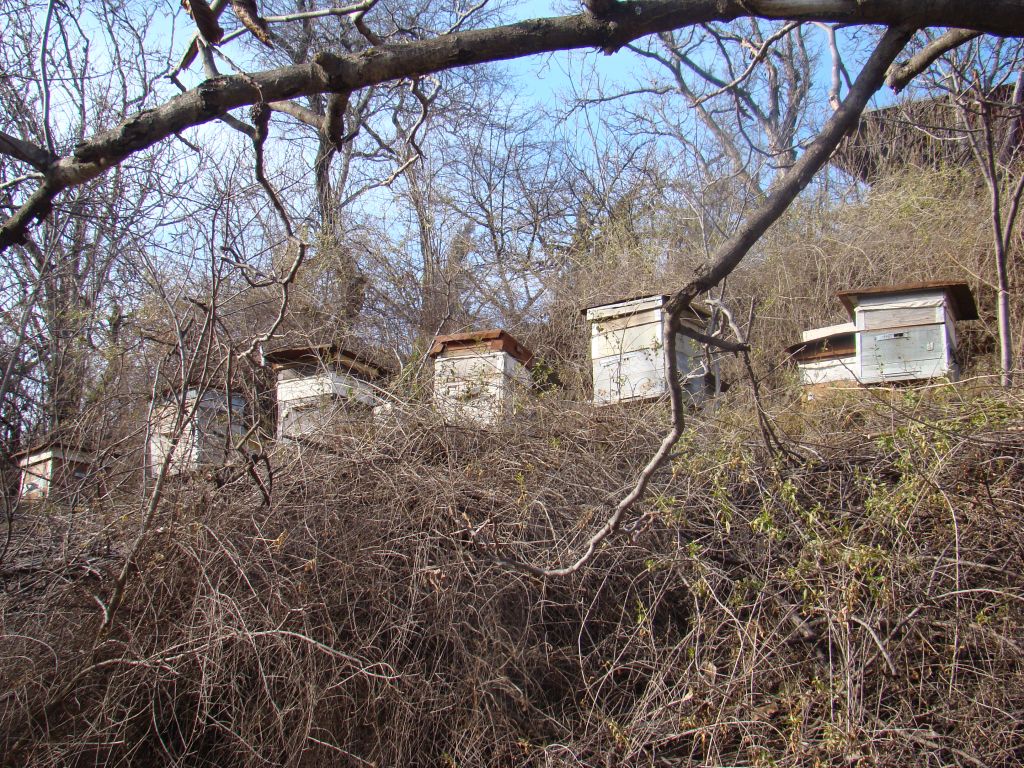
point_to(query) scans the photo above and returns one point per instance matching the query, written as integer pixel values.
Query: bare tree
(746, 85)
(609, 29)
(986, 81)
(75, 268)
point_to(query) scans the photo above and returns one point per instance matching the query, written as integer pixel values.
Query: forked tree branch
(729, 255)
(796, 179)
(756, 59)
(25, 151)
(901, 74)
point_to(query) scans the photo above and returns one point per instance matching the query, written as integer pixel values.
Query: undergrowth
(856, 603)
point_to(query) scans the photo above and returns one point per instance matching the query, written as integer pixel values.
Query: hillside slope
(858, 602)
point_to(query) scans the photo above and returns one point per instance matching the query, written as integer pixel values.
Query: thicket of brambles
(854, 600)
(833, 582)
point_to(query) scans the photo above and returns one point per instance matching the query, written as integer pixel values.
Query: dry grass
(862, 606)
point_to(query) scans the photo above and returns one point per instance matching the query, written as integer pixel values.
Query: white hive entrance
(480, 377)
(630, 360)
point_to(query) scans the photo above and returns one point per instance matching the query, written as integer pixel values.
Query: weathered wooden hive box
(213, 422)
(629, 356)
(480, 377)
(56, 471)
(908, 332)
(321, 387)
(826, 357)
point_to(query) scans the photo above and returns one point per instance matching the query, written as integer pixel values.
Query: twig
(874, 636)
(758, 56)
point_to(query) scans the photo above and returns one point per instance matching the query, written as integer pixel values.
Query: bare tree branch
(900, 75)
(217, 6)
(758, 56)
(248, 13)
(800, 174)
(335, 73)
(360, 24)
(299, 112)
(796, 178)
(24, 151)
(334, 122)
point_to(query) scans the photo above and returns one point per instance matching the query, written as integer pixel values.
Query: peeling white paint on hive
(628, 354)
(307, 404)
(320, 387)
(57, 473)
(212, 425)
(480, 378)
(295, 386)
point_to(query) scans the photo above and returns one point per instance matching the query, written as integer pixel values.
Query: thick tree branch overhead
(621, 23)
(902, 73)
(796, 179)
(24, 151)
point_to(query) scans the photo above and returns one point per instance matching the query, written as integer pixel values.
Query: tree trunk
(1003, 317)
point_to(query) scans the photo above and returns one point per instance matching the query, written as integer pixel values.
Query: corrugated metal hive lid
(958, 293)
(492, 340)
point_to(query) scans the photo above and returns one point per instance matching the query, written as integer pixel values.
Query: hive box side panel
(692, 367)
(186, 453)
(903, 354)
(901, 317)
(628, 354)
(626, 334)
(325, 383)
(35, 479)
(630, 376)
(827, 371)
(622, 309)
(471, 388)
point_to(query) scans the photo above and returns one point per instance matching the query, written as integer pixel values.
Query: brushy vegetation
(857, 603)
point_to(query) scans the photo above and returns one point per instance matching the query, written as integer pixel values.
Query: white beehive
(57, 472)
(825, 357)
(907, 332)
(628, 353)
(322, 385)
(213, 422)
(480, 377)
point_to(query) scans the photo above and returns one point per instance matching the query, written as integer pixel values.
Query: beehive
(212, 424)
(480, 377)
(825, 357)
(908, 332)
(57, 472)
(320, 386)
(629, 356)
